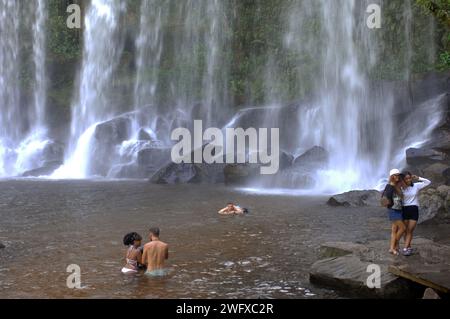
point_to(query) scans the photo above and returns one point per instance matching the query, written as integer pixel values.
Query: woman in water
(134, 253)
(412, 187)
(393, 201)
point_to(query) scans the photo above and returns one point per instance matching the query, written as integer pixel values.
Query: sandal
(407, 252)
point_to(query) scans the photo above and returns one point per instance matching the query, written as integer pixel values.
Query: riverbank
(48, 225)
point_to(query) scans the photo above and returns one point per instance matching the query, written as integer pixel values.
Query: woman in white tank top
(413, 186)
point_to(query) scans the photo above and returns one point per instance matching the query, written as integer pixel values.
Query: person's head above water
(154, 233)
(132, 239)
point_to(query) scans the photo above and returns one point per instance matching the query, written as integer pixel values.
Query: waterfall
(10, 115)
(39, 56)
(22, 123)
(94, 102)
(198, 89)
(196, 85)
(347, 116)
(150, 66)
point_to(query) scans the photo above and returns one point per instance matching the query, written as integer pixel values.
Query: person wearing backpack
(392, 199)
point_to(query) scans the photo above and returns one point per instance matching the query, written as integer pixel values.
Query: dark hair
(130, 238)
(155, 231)
(407, 173)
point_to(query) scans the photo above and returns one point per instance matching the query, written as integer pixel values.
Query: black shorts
(411, 213)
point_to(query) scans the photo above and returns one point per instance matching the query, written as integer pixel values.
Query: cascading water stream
(103, 46)
(181, 71)
(23, 129)
(346, 117)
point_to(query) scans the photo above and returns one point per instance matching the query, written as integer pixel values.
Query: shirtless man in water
(231, 209)
(155, 254)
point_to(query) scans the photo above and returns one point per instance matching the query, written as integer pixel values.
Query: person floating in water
(155, 254)
(233, 209)
(134, 253)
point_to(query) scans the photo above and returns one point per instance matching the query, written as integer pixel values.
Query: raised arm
(423, 183)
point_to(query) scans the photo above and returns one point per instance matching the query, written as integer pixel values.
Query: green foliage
(441, 10)
(63, 43)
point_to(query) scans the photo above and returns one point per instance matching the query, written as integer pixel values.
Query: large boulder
(286, 160)
(435, 205)
(113, 132)
(53, 153)
(189, 174)
(241, 174)
(356, 199)
(107, 137)
(345, 266)
(350, 274)
(47, 170)
(152, 159)
(143, 135)
(436, 173)
(418, 156)
(316, 157)
(44, 161)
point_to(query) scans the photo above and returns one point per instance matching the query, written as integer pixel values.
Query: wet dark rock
(113, 132)
(356, 199)
(2, 246)
(315, 157)
(240, 174)
(53, 153)
(143, 135)
(153, 158)
(107, 137)
(47, 170)
(188, 174)
(415, 156)
(286, 160)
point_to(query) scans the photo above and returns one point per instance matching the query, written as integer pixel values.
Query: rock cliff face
(435, 205)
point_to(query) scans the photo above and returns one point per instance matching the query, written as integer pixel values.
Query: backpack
(384, 201)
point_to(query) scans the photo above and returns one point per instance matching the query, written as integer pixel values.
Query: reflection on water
(49, 225)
